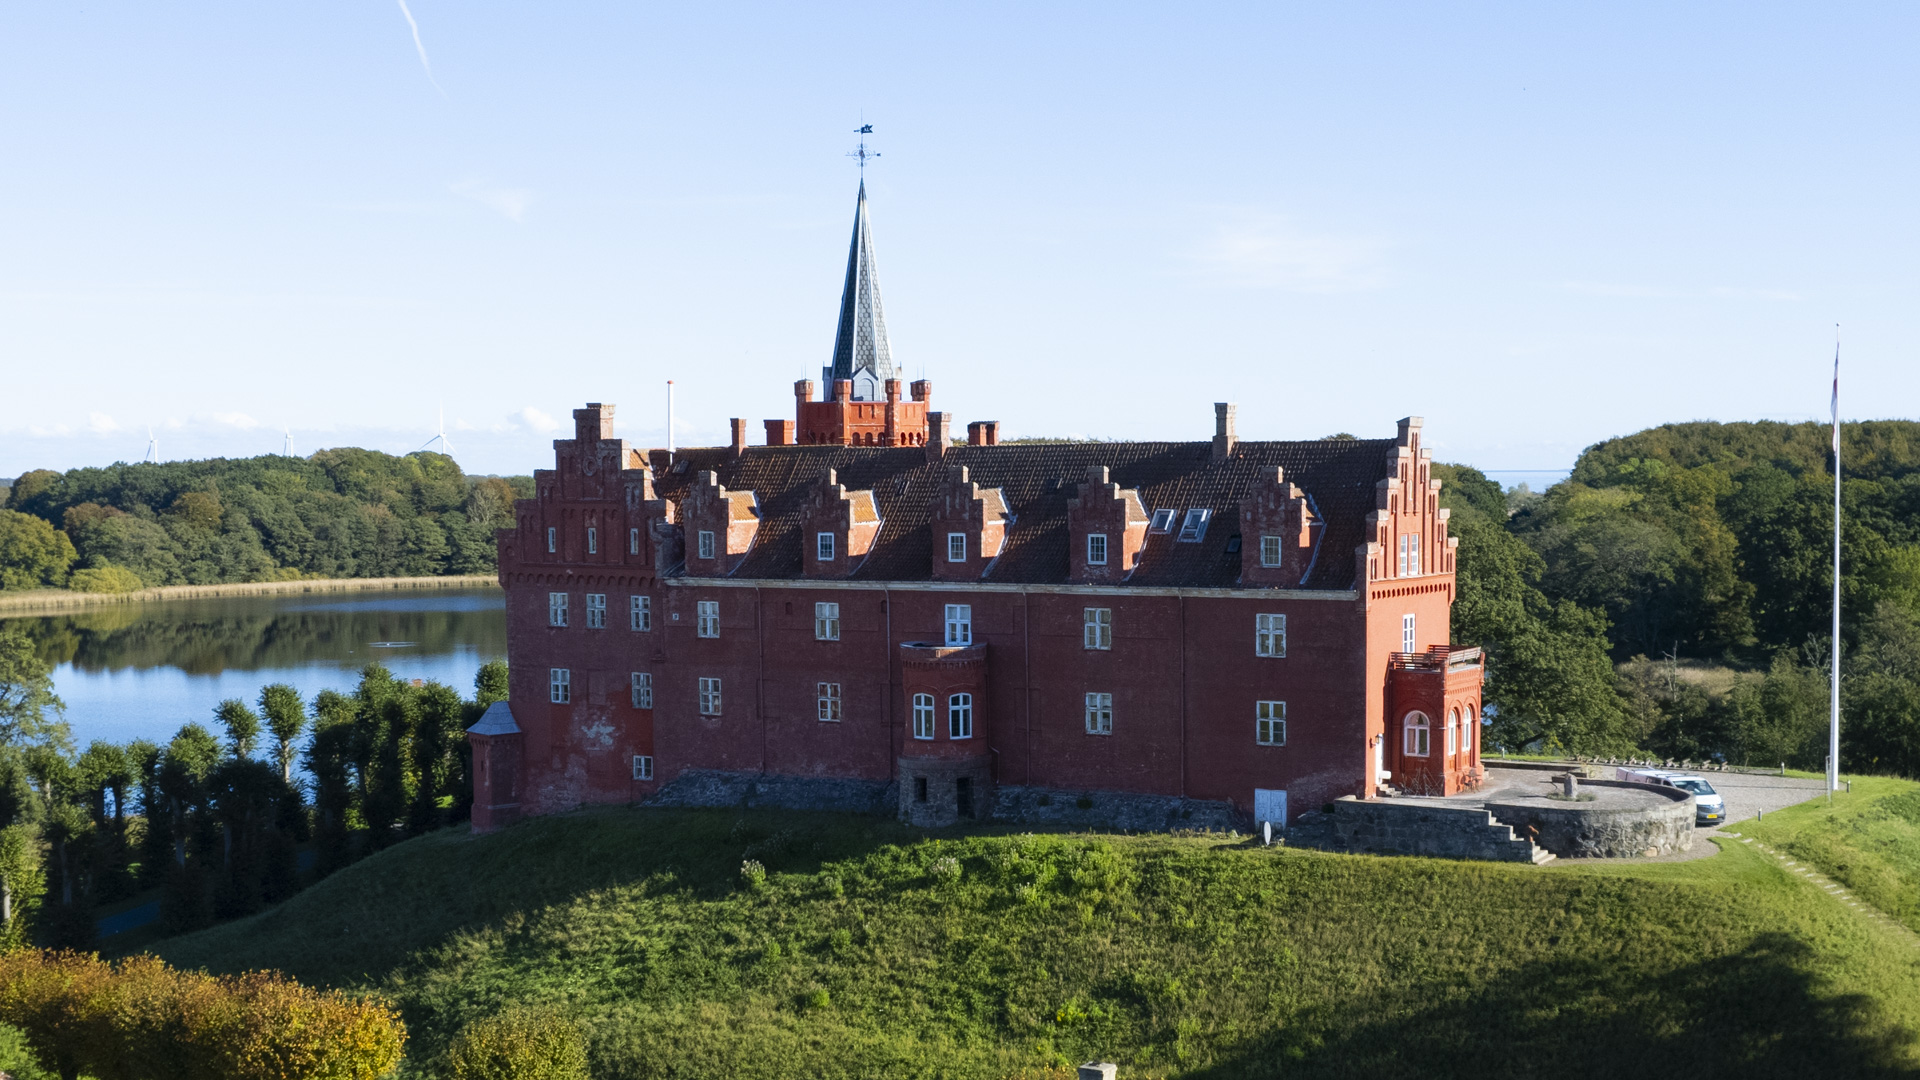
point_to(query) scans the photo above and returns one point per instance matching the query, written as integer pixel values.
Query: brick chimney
(739, 444)
(983, 433)
(779, 432)
(939, 427)
(1224, 440)
(922, 389)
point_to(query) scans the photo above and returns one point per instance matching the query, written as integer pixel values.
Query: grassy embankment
(1868, 840)
(872, 950)
(23, 602)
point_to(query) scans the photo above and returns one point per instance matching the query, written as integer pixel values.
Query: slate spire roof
(860, 350)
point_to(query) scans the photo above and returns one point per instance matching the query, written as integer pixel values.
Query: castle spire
(860, 350)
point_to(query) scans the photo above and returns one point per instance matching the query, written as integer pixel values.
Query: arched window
(1469, 724)
(1419, 732)
(923, 716)
(960, 716)
(1453, 725)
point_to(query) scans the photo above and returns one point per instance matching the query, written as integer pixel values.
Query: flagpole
(1833, 726)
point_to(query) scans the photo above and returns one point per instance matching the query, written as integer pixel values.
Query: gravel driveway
(1748, 795)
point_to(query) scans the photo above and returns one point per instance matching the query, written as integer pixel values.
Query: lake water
(139, 671)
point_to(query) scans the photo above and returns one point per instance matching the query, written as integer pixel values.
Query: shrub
(105, 579)
(519, 1044)
(55, 999)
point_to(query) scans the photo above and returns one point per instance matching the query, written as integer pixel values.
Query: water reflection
(141, 670)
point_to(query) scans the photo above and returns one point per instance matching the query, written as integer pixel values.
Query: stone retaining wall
(1574, 830)
(709, 787)
(1405, 827)
(1112, 810)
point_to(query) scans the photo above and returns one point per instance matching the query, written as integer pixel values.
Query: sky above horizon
(1537, 227)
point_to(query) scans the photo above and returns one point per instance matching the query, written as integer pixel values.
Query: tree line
(338, 513)
(1673, 595)
(217, 817)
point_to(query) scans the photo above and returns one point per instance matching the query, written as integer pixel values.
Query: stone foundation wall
(1571, 830)
(1113, 810)
(1395, 827)
(708, 787)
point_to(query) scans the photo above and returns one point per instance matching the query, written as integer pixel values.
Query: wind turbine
(287, 449)
(440, 436)
(153, 448)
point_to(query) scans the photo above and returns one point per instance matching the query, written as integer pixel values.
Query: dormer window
(823, 546)
(1195, 527)
(1413, 556)
(956, 547)
(706, 543)
(1162, 521)
(1096, 549)
(1269, 551)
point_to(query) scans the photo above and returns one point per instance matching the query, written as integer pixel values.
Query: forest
(1673, 595)
(340, 513)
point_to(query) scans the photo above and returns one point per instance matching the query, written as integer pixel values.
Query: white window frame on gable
(709, 696)
(706, 618)
(639, 612)
(1096, 549)
(959, 625)
(829, 694)
(1099, 714)
(956, 547)
(642, 767)
(642, 689)
(1417, 733)
(826, 621)
(593, 541)
(553, 539)
(1413, 555)
(1402, 565)
(1097, 628)
(633, 543)
(1408, 639)
(596, 611)
(1269, 551)
(1270, 635)
(1162, 521)
(560, 686)
(1270, 723)
(960, 716)
(1194, 528)
(923, 716)
(706, 547)
(556, 609)
(823, 547)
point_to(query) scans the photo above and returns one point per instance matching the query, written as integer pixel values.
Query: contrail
(421, 49)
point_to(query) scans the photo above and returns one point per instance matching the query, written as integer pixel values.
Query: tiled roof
(1339, 475)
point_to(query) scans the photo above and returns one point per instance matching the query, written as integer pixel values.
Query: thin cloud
(235, 420)
(537, 420)
(101, 424)
(1259, 250)
(425, 64)
(512, 202)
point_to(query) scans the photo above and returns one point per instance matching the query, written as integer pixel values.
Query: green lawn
(872, 950)
(1868, 840)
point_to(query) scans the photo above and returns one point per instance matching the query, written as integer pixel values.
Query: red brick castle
(865, 614)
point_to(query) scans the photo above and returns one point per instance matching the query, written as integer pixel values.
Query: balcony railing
(1439, 658)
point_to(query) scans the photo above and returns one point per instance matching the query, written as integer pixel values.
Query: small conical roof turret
(860, 350)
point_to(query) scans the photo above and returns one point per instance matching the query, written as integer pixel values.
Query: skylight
(1195, 526)
(1162, 521)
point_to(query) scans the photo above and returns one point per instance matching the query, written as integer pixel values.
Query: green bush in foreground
(520, 1044)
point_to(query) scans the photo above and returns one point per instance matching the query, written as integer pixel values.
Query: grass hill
(871, 950)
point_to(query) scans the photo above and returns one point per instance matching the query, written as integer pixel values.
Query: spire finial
(862, 153)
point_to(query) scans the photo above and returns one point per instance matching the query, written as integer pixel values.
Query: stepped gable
(1037, 480)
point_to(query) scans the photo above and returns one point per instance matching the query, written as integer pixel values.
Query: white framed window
(956, 547)
(1194, 528)
(556, 609)
(709, 697)
(1469, 723)
(923, 716)
(1162, 521)
(823, 546)
(1402, 564)
(553, 539)
(959, 624)
(1099, 714)
(559, 686)
(960, 716)
(1270, 723)
(706, 618)
(1269, 635)
(706, 543)
(826, 622)
(1407, 637)
(593, 541)
(1097, 628)
(829, 693)
(639, 612)
(642, 767)
(642, 690)
(1413, 555)
(596, 611)
(1418, 732)
(633, 541)
(1269, 551)
(1096, 549)
(1453, 723)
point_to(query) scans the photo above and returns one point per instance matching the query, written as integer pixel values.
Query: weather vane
(862, 154)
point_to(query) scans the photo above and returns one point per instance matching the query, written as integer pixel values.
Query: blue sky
(1535, 225)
